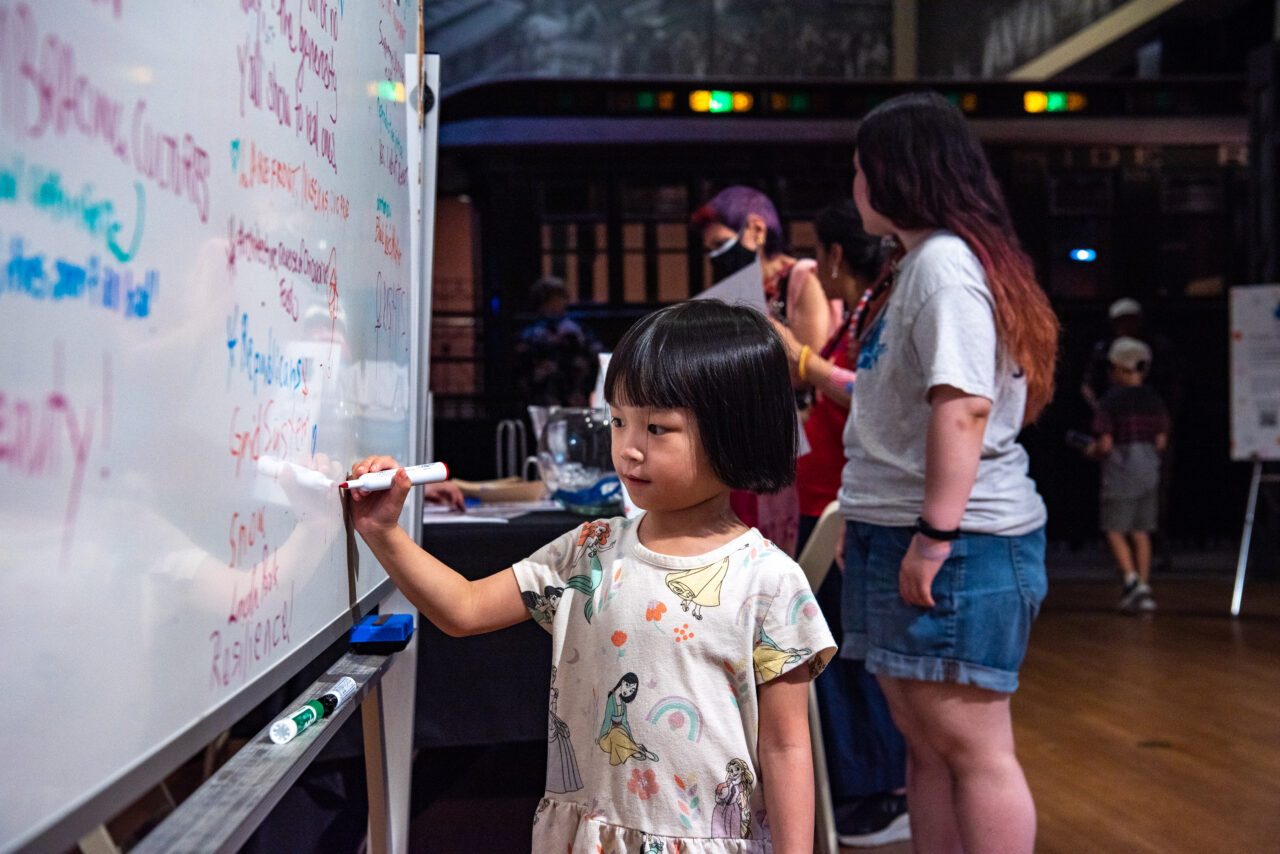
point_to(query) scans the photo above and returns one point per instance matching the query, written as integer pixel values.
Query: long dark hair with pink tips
(925, 169)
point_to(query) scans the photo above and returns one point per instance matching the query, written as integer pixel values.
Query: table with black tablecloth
(492, 688)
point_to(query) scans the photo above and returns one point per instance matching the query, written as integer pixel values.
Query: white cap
(1130, 354)
(1124, 307)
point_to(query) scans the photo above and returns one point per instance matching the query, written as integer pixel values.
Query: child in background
(683, 642)
(1132, 427)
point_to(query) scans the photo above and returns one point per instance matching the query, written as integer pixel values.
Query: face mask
(730, 257)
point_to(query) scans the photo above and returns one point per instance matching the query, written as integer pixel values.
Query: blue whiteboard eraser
(382, 634)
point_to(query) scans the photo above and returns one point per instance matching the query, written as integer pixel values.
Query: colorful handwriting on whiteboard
(249, 243)
(259, 169)
(392, 310)
(392, 159)
(37, 430)
(318, 127)
(392, 7)
(394, 67)
(261, 610)
(42, 189)
(252, 639)
(95, 282)
(269, 430)
(397, 146)
(266, 364)
(384, 232)
(60, 99)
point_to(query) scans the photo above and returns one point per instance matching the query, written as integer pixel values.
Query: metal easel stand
(1246, 537)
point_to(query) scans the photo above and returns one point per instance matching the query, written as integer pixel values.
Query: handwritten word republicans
(43, 92)
(95, 282)
(268, 364)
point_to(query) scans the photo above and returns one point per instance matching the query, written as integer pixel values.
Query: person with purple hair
(739, 226)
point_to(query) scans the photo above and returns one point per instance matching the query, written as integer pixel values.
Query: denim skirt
(986, 596)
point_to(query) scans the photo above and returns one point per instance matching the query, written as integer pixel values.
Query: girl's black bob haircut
(727, 366)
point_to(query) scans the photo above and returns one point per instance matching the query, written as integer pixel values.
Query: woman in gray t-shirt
(944, 547)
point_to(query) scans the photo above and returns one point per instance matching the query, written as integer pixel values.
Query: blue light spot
(1083, 255)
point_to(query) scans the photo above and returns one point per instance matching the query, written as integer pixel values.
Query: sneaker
(873, 821)
(1132, 593)
(1146, 603)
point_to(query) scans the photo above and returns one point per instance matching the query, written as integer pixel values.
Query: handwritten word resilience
(42, 188)
(267, 365)
(251, 641)
(37, 430)
(94, 281)
(259, 169)
(43, 92)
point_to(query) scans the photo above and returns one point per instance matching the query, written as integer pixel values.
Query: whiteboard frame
(64, 830)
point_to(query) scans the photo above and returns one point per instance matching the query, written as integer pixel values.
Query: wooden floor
(1158, 733)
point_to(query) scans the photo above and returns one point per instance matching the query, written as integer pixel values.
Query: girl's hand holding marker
(378, 486)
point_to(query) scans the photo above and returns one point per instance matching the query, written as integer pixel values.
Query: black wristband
(933, 533)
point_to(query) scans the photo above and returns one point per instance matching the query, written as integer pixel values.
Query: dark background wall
(989, 38)
(485, 39)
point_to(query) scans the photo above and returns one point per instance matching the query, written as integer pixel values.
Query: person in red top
(866, 756)
(851, 268)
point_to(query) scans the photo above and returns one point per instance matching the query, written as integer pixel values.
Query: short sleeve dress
(656, 663)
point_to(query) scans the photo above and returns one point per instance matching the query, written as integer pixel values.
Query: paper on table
(498, 511)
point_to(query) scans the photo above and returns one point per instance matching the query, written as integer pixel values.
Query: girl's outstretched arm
(458, 607)
(786, 760)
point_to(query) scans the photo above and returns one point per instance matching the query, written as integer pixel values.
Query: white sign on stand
(1255, 372)
(1255, 400)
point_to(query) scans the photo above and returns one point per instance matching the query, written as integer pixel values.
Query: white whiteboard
(1255, 372)
(204, 211)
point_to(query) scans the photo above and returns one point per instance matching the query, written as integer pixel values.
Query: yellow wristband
(803, 360)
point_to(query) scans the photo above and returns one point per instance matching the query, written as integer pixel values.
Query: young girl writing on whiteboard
(682, 640)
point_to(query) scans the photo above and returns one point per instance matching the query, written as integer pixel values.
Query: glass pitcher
(574, 460)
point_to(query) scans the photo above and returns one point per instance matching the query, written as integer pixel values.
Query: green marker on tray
(308, 713)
